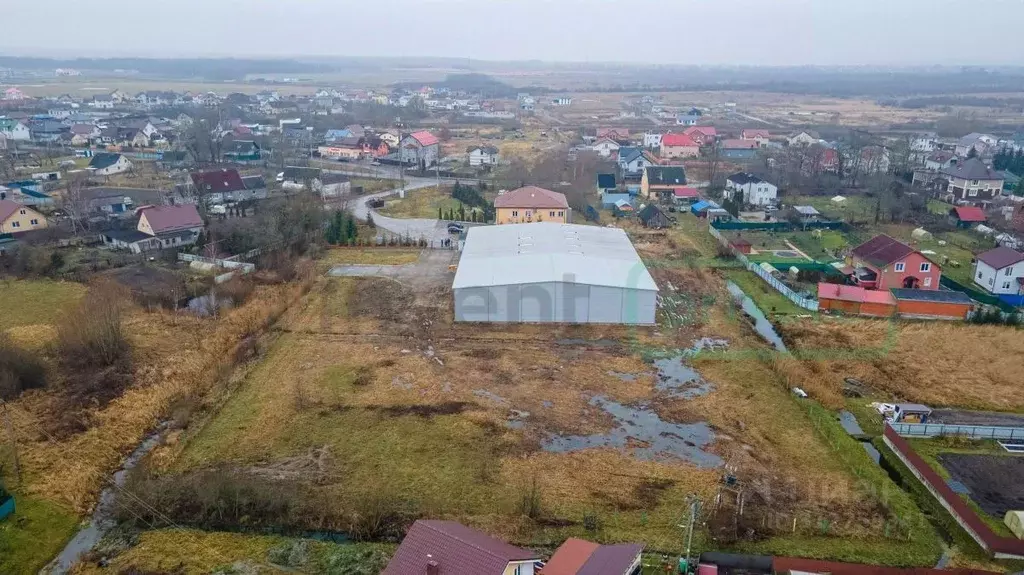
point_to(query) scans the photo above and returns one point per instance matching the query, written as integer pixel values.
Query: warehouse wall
(555, 302)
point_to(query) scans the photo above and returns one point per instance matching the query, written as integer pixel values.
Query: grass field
(423, 203)
(381, 256)
(34, 534)
(36, 302)
(766, 297)
(912, 361)
(192, 552)
(370, 185)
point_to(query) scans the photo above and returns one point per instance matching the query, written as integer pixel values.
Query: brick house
(884, 263)
(972, 182)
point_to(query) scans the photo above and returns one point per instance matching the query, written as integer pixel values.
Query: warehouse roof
(550, 252)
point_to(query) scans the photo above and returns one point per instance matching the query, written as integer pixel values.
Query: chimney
(433, 568)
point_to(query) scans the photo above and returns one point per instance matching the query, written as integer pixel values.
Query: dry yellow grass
(176, 357)
(937, 363)
(381, 256)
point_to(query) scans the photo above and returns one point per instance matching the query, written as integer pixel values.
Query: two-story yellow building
(531, 204)
(15, 218)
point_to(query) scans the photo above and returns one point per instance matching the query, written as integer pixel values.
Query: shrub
(91, 336)
(238, 290)
(20, 369)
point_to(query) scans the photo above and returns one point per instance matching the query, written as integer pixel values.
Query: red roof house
(855, 300)
(757, 135)
(579, 557)
(964, 216)
(157, 220)
(686, 193)
(449, 548)
(221, 181)
(424, 138)
(703, 135)
(883, 263)
(679, 146)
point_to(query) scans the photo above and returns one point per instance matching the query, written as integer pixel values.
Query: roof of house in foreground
(882, 250)
(455, 548)
(546, 252)
(580, 557)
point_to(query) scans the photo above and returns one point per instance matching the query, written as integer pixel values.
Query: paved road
(430, 229)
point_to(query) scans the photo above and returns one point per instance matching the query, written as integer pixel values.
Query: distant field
(88, 87)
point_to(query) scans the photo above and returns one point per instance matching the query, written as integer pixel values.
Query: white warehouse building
(548, 272)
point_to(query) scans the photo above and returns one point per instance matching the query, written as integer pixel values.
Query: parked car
(456, 228)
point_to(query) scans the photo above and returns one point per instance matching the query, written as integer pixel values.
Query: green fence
(978, 296)
(777, 226)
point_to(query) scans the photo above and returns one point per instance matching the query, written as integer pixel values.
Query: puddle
(630, 377)
(872, 452)
(547, 404)
(490, 395)
(762, 326)
(849, 423)
(678, 380)
(516, 419)
(644, 434)
(208, 305)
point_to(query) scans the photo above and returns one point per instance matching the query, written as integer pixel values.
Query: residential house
(652, 140)
(762, 137)
(158, 227)
(107, 164)
(389, 138)
(102, 102)
(434, 547)
(652, 217)
(15, 130)
(327, 184)
(685, 195)
(818, 159)
(613, 133)
(967, 216)
(605, 147)
(675, 146)
(687, 119)
(84, 134)
(999, 271)
(242, 151)
(16, 218)
(804, 139)
(219, 186)
(703, 135)
(579, 557)
(170, 159)
(47, 130)
(633, 162)
(749, 189)
(884, 262)
(348, 149)
(660, 182)
(483, 156)
(972, 182)
(924, 143)
(982, 144)
(420, 148)
(739, 149)
(531, 204)
(14, 94)
(874, 160)
(940, 160)
(563, 101)
(337, 135)
(855, 300)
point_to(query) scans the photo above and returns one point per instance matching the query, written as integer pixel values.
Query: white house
(652, 140)
(925, 142)
(605, 147)
(106, 164)
(633, 162)
(1000, 271)
(15, 130)
(483, 156)
(563, 101)
(803, 139)
(756, 192)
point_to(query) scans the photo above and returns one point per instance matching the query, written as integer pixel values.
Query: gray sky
(766, 32)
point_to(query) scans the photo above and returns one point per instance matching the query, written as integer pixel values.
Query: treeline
(480, 209)
(342, 229)
(1006, 159)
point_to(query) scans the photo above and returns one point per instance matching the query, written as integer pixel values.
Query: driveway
(430, 229)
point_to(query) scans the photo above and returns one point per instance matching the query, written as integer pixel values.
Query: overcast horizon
(683, 32)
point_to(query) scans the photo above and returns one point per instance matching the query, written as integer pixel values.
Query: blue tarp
(1014, 300)
(701, 206)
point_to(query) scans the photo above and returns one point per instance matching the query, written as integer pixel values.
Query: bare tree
(74, 202)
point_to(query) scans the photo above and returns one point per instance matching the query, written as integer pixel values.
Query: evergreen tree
(440, 216)
(351, 230)
(462, 212)
(369, 221)
(972, 153)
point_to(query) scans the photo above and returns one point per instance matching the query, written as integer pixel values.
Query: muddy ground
(996, 483)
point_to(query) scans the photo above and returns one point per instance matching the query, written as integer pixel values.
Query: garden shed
(549, 272)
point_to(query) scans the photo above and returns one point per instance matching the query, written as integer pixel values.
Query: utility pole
(14, 442)
(694, 510)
